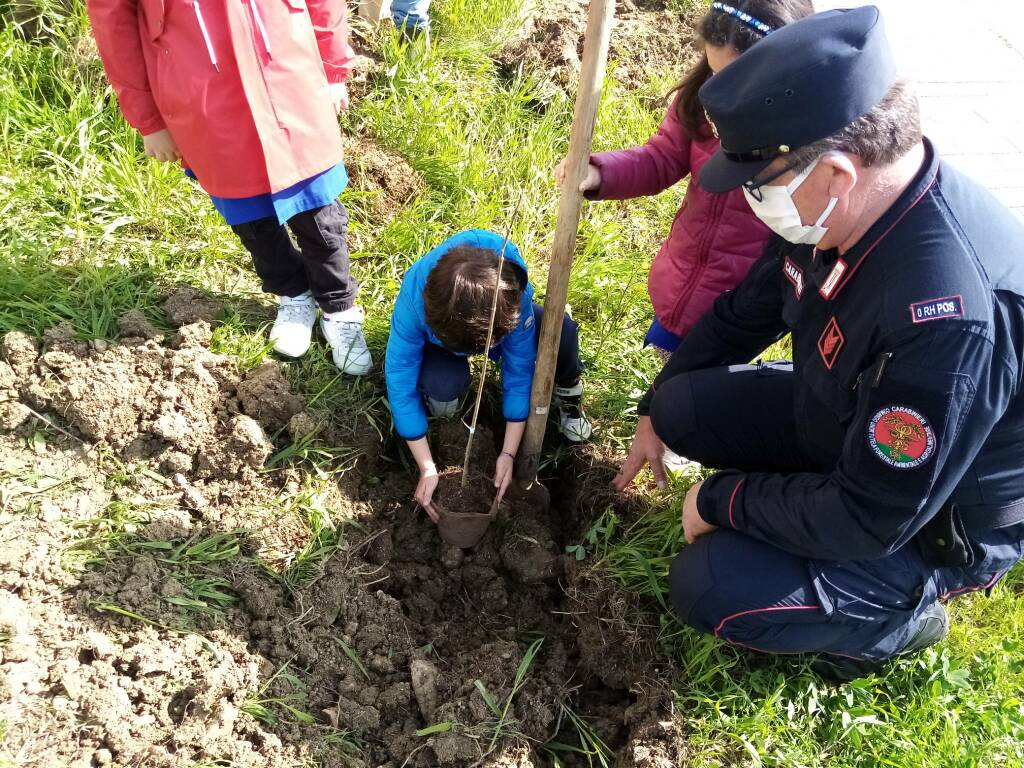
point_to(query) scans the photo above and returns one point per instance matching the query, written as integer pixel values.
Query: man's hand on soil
(693, 524)
(647, 448)
(425, 490)
(503, 471)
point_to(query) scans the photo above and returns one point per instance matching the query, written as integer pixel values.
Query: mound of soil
(188, 305)
(385, 181)
(646, 37)
(187, 409)
(106, 660)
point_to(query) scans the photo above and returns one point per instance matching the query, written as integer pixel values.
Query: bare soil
(476, 496)
(646, 38)
(146, 450)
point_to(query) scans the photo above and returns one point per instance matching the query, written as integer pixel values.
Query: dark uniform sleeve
(923, 413)
(740, 324)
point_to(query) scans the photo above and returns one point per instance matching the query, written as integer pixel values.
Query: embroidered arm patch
(937, 309)
(901, 437)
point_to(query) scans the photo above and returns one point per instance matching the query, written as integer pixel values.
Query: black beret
(801, 83)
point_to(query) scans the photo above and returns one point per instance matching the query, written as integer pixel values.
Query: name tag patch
(937, 309)
(795, 275)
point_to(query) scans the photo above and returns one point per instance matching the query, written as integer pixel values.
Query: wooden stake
(595, 57)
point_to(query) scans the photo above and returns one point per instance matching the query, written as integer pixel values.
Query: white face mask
(778, 211)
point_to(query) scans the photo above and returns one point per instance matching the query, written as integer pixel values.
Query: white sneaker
(442, 409)
(293, 328)
(344, 334)
(572, 422)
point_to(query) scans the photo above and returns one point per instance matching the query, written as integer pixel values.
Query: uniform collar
(846, 266)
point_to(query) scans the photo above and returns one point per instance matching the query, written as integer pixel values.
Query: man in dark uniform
(883, 470)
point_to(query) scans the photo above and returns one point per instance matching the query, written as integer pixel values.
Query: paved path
(966, 60)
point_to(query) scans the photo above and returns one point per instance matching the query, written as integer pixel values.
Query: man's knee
(745, 592)
(673, 415)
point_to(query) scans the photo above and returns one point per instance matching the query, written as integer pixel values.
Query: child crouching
(441, 316)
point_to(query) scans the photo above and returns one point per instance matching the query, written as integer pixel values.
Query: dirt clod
(266, 395)
(133, 324)
(20, 351)
(424, 685)
(188, 305)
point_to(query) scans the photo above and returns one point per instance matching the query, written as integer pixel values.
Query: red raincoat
(242, 85)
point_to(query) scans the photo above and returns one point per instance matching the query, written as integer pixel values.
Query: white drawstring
(206, 35)
(259, 25)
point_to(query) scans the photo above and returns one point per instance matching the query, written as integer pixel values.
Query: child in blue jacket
(441, 317)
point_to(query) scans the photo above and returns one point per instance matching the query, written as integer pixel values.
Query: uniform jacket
(908, 352)
(410, 332)
(715, 239)
(242, 85)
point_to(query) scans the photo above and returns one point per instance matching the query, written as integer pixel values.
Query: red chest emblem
(901, 437)
(830, 343)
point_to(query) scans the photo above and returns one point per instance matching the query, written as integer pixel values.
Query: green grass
(91, 229)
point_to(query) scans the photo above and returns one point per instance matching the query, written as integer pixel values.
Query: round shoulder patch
(901, 437)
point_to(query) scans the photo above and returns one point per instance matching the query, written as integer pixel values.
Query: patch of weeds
(21, 486)
(502, 725)
(107, 534)
(325, 535)
(589, 746)
(195, 564)
(598, 538)
(282, 698)
(353, 657)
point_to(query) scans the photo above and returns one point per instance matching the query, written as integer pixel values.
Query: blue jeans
(414, 14)
(444, 376)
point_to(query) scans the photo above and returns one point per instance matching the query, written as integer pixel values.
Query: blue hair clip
(755, 24)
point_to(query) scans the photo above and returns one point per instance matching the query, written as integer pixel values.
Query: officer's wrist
(720, 499)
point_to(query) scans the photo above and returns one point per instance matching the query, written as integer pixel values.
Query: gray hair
(881, 137)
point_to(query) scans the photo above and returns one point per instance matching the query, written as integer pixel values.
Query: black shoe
(932, 627)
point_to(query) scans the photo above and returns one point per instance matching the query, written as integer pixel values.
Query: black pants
(320, 263)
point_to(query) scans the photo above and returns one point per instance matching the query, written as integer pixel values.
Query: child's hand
(503, 471)
(161, 146)
(425, 490)
(591, 181)
(339, 96)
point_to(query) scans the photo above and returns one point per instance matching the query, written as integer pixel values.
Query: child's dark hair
(459, 292)
(720, 29)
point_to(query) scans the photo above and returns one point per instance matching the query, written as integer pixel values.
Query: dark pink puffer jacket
(715, 238)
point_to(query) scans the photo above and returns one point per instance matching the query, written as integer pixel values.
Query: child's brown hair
(720, 29)
(458, 296)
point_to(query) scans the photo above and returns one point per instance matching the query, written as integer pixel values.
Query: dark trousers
(444, 376)
(320, 263)
(750, 593)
